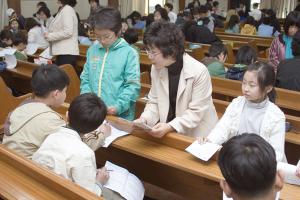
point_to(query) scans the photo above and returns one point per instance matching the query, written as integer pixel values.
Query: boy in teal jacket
(112, 69)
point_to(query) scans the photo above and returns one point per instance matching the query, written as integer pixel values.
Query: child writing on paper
(64, 153)
(254, 112)
(248, 164)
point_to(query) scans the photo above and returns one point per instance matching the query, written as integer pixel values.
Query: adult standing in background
(172, 15)
(95, 7)
(63, 34)
(44, 16)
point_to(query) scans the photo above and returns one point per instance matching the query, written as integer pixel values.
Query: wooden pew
(165, 163)
(20, 178)
(73, 89)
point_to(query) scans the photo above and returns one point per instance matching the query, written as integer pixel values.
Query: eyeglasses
(152, 54)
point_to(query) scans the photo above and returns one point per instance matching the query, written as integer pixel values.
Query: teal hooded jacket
(113, 74)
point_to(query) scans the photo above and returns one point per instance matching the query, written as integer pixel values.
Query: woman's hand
(160, 129)
(111, 110)
(105, 129)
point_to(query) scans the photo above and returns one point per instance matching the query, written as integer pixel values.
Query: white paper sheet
(289, 173)
(11, 61)
(123, 182)
(46, 54)
(115, 134)
(203, 151)
(31, 48)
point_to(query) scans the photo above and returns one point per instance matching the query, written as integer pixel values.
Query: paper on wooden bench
(227, 198)
(123, 182)
(11, 61)
(7, 51)
(115, 134)
(289, 173)
(203, 151)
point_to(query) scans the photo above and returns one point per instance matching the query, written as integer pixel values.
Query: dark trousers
(67, 59)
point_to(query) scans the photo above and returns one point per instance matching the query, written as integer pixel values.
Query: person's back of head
(6, 37)
(234, 19)
(86, 113)
(255, 5)
(248, 164)
(296, 44)
(246, 55)
(157, 6)
(218, 50)
(41, 4)
(131, 36)
(31, 23)
(49, 81)
(20, 41)
(215, 4)
(250, 20)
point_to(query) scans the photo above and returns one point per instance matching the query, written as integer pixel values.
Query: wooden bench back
(22, 179)
(74, 86)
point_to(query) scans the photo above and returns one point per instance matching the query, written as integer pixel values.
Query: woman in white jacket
(63, 34)
(254, 112)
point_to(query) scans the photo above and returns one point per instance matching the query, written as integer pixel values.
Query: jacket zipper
(101, 73)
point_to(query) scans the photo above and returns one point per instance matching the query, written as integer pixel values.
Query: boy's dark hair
(203, 9)
(216, 49)
(169, 5)
(20, 38)
(30, 23)
(250, 20)
(6, 35)
(131, 36)
(293, 19)
(45, 10)
(167, 37)
(265, 77)
(234, 19)
(109, 18)
(246, 55)
(266, 20)
(86, 113)
(163, 13)
(47, 78)
(248, 164)
(215, 3)
(41, 4)
(255, 5)
(71, 3)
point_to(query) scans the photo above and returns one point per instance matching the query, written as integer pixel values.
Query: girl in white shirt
(35, 33)
(254, 112)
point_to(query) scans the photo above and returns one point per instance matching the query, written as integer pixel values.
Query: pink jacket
(277, 52)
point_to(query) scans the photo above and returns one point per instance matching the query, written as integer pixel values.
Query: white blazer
(195, 112)
(63, 33)
(272, 127)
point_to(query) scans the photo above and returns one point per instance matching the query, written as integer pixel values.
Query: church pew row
(292, 137)
(20, 178)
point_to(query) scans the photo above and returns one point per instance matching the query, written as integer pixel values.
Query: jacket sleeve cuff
(176, 125)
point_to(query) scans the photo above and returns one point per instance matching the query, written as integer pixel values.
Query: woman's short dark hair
(293, 19)
(30, 23)
(109, 18)
(167, 37)
(163, 13)
(86, 113)
(45, 10)
(246, 55)
(234, 19)
(71, 3)
(131, 36)
(248, 164)
(265, 77)
(48, 78)
(216, 49)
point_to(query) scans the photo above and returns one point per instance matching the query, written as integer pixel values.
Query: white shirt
(256, 14)
(36, 36)
(64, 153)
(172, 16)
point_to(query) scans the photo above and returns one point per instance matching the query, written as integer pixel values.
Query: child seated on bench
(29, 124)
(248, 164)
(254, 112)
(64, 152)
